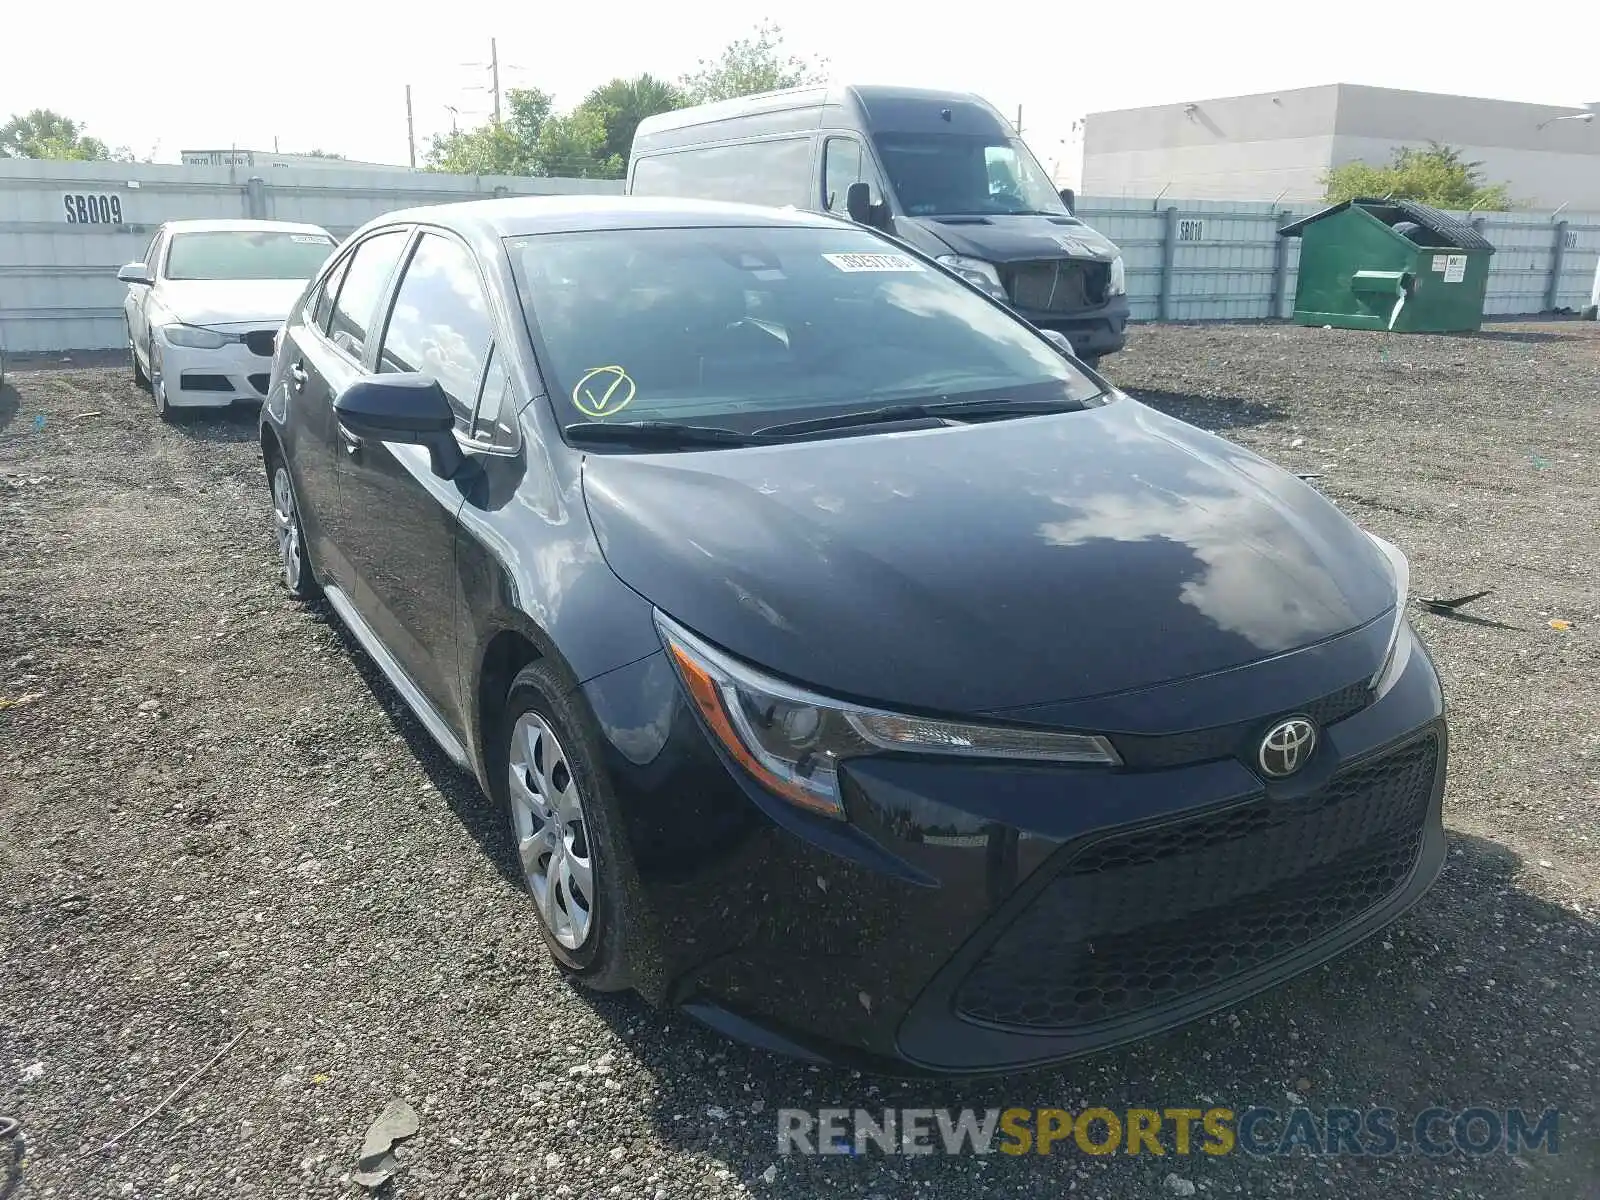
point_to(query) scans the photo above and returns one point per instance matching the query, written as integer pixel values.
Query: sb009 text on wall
(93, 208)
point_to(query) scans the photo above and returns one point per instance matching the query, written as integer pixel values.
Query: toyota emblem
(1287, 747)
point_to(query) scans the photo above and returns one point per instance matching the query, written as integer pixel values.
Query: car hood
(1003, 239)
(975, 568)
(224, 301)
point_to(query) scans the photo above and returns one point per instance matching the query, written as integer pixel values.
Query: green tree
(748, 65)
(621, 105)
(573, 145)
(43, 133)
(510, 148)
(1437, 176)
(527, 109)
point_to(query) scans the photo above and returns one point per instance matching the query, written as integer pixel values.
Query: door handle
(297, 373)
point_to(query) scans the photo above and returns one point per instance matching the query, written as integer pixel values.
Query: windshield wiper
(914, 412)
(659, 433)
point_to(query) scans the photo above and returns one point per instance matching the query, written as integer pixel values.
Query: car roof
(515, 216)
(241, 225)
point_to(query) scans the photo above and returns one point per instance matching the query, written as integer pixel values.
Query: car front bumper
(975, 918)
(198, 378)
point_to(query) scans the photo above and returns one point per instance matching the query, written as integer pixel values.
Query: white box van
(942, 171)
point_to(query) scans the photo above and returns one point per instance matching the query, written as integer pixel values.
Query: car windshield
(247, 254)
(949, 174)
(756, 325)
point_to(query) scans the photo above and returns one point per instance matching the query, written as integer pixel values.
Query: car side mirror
(1059, 340)
(1070, 199)
(408, 408)
(135, 272)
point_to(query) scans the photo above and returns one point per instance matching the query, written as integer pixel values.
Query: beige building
(271, 158)
(1278, 145)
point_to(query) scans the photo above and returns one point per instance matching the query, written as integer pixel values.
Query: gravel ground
(215, 820)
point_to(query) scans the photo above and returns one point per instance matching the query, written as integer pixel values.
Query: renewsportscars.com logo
(1262, 1132)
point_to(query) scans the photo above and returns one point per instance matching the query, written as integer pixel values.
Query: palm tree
(623, 103)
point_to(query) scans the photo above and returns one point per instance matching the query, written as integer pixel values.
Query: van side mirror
(134, 272)
(1059, 340)
(858, 203)
(1070, 199)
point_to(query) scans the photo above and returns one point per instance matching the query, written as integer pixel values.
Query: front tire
(140, 379)
(158, 387)
(564, 827)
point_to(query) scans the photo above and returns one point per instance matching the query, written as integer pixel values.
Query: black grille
(1142, 920)
(193, 381)
(262, 341)
(1142, 753)
(260, 382)
(1061, 285)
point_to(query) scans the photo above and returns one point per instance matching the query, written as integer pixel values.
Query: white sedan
(205, 305)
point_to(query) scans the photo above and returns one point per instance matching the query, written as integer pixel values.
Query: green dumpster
(1390, 264)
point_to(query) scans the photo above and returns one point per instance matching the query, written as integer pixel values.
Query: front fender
(528, 567)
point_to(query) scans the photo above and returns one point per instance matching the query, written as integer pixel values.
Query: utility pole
(411, 130)
(1019, 120)
(494, 70)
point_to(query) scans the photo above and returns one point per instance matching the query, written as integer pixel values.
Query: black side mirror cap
(408, 408)
(1070, 199)
(858, 203)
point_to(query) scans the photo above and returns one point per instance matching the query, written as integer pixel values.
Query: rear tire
(1092, 361)
(294, 564)
(547, 776)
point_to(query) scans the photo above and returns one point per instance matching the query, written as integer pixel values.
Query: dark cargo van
(942, 171)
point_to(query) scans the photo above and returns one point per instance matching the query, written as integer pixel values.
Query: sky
(332, 75)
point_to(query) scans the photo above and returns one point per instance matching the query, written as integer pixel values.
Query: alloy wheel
(158, 387)
(551, 831)
(290, 552)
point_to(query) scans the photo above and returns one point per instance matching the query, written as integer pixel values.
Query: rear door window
(321, 306)
(356, 309)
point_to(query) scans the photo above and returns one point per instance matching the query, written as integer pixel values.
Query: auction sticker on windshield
(873, 262)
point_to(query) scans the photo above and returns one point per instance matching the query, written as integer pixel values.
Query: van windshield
(950, 174)
(756, 325)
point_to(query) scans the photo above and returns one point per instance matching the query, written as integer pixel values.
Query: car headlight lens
(793, 740)
(194, 337)
(977, 272)
(1119, 278)
(1398, 652)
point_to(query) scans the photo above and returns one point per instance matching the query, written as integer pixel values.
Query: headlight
(793, 740)
(1119, 278)
(195, 337)
(976, 271)
(1398, 652)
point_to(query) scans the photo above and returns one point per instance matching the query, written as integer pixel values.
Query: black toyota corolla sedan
(856, 670)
